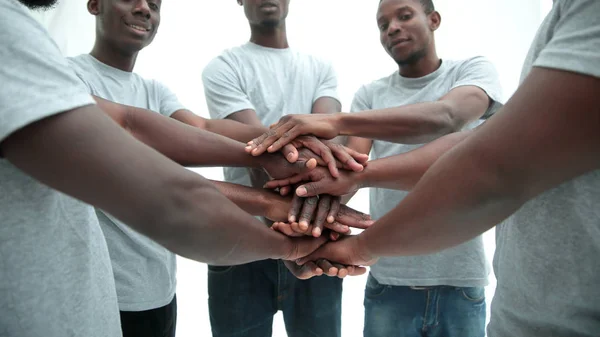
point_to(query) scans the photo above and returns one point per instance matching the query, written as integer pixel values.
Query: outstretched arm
(410, 124)
(190, 146)
(513, 158)
(86, 155)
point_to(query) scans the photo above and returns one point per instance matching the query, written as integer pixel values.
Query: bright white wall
(344, 31)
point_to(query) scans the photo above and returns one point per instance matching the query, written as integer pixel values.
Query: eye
(153, 6)
(405, 17)
(383, 27)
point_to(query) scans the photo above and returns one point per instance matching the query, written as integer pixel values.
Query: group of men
(89, 131)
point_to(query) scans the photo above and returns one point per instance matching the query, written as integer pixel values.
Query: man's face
(405, 30)
(39, 4)
(130, 25)
(268, 13)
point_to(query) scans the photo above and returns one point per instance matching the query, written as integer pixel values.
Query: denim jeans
(440, 311)
(243, 300)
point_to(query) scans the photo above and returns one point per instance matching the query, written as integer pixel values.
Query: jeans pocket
(219, 269)
(473, 294)
(373, 288)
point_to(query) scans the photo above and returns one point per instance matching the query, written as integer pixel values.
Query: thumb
(290, 152)
(310, 189)
(304, 166)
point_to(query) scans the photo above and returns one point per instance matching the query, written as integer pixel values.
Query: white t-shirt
(55, 274)
(272, 82)
(462, 266)
(145, 272)
(547, 254)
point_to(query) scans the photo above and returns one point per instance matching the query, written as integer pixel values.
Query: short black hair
(427, 6)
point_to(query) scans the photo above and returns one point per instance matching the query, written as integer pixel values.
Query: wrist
(364, 251)
(364, 178)
(337, 121)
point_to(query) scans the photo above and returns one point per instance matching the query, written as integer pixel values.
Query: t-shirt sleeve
(37, 82)
(169, 103)
(480, 72)
(575, 42)
(223, 89)
(360, 102)
(80, 72)
(327, 86)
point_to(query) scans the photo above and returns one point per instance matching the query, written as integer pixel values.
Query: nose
(394, 27)
(142, 8)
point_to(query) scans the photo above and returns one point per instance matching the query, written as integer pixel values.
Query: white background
(194, 31)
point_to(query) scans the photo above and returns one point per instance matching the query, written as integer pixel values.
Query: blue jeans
(440, 311)
(242, 301)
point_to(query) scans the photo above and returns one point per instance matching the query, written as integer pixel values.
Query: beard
(39, 4)
(412, 58)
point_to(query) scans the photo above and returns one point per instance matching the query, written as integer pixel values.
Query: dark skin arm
(190, 146)
(497, 169)
(410, 124)
(399, 172)
(83, 153)
(224, 127)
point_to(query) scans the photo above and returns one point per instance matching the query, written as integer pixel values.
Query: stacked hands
(320, 172)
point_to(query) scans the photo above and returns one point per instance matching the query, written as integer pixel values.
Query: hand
(291, 126)
(302, 246)
(278, 167)
(330, 154)
(320, 182)
(324, 211)
(292, 229)
(347, 251)
(311, 269)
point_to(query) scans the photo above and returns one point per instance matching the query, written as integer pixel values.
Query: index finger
(280, 132)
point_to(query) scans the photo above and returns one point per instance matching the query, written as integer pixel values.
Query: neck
(270, 37)
(422, 67)
(113, 57)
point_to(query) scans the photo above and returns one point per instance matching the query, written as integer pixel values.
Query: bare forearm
(235, 130)
(403, 171)
(411, 124)
(185, 144)
(155, 196)
(501, 166)
(254, 201)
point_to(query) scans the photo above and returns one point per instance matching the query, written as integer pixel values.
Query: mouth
(269, 4)
(138, 27)
(398, 42)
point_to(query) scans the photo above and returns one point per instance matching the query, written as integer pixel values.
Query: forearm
(185, 144)
(456, 200)
(403, 171)
(177, 208)
(411, 124)
(254, 201)
(234, 130)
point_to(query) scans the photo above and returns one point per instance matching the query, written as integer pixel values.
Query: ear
(93, 7)
(435, 20)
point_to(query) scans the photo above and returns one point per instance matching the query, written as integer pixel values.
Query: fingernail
(301, 191)
(317, 232)
(290, 156)
(270, 148)
(345, 228)
(303, 225)
(292, 218)
(330, 219)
